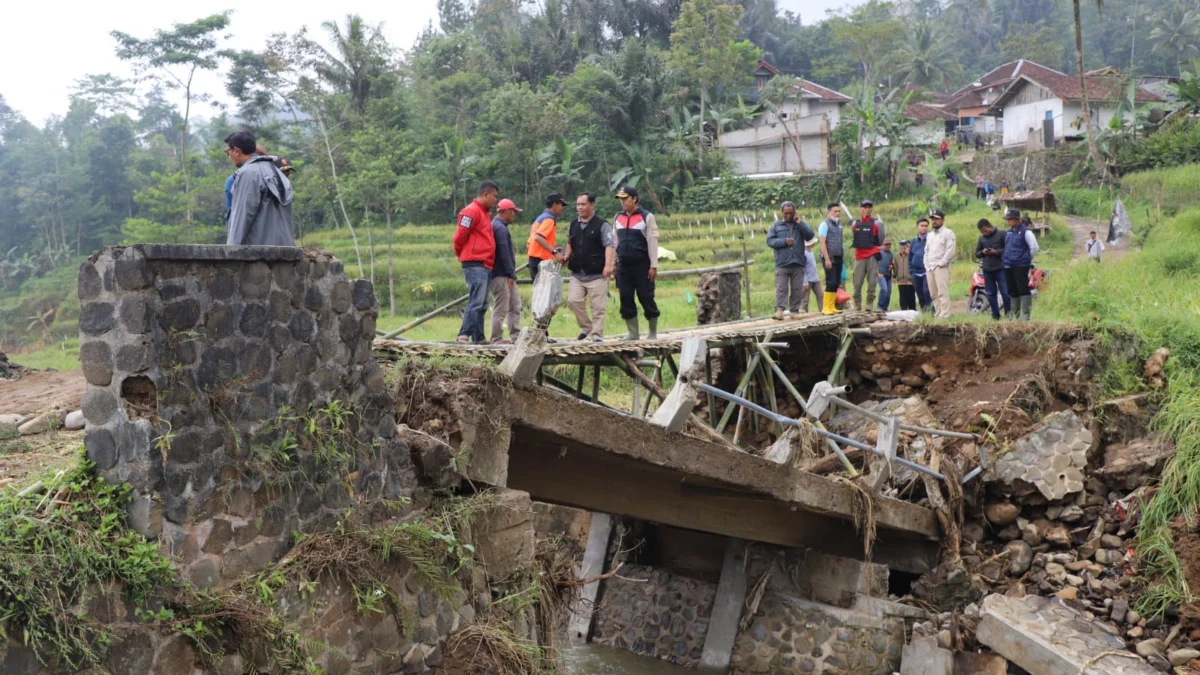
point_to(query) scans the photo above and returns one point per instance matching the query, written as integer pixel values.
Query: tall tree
(1176, 32)
(1089, 127)
(358, 66)
(869, 33)
(705, 49)
(927, 58)
(176, 56)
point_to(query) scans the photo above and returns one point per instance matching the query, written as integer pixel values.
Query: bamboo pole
(417, 322)
(702, 270)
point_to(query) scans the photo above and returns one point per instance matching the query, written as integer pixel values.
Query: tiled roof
(928, 113)
(1066, 87)
(823, 93)
(971, 96)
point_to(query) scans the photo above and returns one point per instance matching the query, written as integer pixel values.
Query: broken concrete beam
(524, 358)
(922, 656)
(505, 539)
(726, 610)
(1047, 638)
(888, 439)
(677, 406)
(579, 625)
(839, 581)
(1052, 458)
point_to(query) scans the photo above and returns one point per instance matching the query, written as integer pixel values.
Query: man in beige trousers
(940, 250)
(591, 253)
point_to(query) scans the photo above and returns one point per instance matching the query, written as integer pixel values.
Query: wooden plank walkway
(733, 332)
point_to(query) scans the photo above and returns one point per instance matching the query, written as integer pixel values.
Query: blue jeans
(885, 292)
(477, 291)
(921, 286)
(993, 281)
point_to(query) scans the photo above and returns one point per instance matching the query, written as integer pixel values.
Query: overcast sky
(47, 46)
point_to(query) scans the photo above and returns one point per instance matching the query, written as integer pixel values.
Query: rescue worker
(637, 262)
(543, 234)
(866, 237)
(832, 251)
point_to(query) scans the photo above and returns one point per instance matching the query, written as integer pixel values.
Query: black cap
(866, 202)
(283, 165)
(627, 191)
(938, 214)
(904, 242)
(555, 198)
(1012, 214)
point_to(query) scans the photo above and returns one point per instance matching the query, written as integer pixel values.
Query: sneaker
(778, 316)
(582, 337)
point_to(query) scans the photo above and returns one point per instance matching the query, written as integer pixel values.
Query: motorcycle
(977, 301)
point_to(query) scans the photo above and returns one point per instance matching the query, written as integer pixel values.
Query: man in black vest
(637, 262)
(590, 257)
(867, 237)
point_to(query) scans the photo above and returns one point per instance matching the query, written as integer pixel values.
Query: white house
(796, 140)
(1044, 110)
(931, 123)
(971, 103)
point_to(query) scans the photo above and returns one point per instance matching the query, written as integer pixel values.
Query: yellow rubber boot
(829, 306)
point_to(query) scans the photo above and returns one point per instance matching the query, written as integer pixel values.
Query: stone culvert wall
(655, 613)
(234, 389)
(797, 636)
(1042, 167)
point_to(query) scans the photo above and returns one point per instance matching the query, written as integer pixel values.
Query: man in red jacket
(475, 246)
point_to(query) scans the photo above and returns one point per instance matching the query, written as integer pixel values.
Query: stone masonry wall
(205, 365)
(797, 636)
(655, 613)
(1043, 167)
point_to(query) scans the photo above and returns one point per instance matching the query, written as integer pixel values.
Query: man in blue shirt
(916, 265)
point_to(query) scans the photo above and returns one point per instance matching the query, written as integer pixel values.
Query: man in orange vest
(542, 234)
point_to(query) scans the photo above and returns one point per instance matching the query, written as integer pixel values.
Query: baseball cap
(627, 191)
(555, 198)
(866, 202)
(506, 204)
(904, 242)
(938, 214)
(283, 165)
(887, 241)
(1012, 214)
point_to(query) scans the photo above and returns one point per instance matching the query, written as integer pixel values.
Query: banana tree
(726, 113)
(640, 171)
(561, 163)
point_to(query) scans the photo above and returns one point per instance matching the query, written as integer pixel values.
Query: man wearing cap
(475, 246)
(591, 257)
(506, 300)
(787, 237)
(867, 234)
(902, 271)
(886, 258)
(832, 250)
(1019, 248)
(285, 166)
(988, 251)
(637, 262)
(940, 249)
(542, 234)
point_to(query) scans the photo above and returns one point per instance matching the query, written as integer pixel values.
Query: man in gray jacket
(261, 209)
(787, 236)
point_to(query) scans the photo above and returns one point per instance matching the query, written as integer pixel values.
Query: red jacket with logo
(473, 238)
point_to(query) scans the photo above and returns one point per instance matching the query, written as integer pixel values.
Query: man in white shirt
(940, 250)
(1094, 247)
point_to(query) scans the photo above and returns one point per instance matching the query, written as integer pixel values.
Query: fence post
(746, 276)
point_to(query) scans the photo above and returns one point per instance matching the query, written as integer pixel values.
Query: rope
(1095, 659)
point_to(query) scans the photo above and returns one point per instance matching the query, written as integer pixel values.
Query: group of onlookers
(920, 271)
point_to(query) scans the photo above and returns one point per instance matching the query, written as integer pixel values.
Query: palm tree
(926, 58)
(361, 59)
(1093, 149)
(1176, 33)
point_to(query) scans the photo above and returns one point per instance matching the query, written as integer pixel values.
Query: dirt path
(1080, 229)
(42, 391)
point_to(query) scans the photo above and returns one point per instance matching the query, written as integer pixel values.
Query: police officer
(637, 262)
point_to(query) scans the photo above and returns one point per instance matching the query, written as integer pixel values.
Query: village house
(1040, 109)
(971, 105)
(793, 139)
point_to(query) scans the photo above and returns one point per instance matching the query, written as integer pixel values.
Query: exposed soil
(1187, 549)
(40, 391)
(1081, 229)
(25, 458)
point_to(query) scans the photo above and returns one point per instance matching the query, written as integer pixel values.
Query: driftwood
(830, 463)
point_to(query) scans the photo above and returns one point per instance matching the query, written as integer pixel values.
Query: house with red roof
(795, 138)
(972, 103)
(1041, 110)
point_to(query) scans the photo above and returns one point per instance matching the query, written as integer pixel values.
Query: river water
(594, 659)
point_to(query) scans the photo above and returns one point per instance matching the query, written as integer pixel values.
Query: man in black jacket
(506, 298)
(988, 252)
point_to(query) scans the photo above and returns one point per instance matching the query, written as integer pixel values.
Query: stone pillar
(524, 358)
(727, 610)
(579, 625)
(202, 362)
(719, 297)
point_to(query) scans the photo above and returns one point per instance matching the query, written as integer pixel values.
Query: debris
(1154, 367)
(1052, 458)
(1127, 466)
(39, 424)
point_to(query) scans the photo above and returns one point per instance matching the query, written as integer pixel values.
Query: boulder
(39, 424)
(1002, 514)
(1180, 657)
(1020, 557)
(74, 421)
(1128, 466)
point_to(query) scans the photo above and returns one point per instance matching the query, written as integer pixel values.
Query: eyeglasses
(228, 151)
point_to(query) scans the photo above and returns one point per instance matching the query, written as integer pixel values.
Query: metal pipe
(974, 472)
(775, 345)
(907, 427)
(782, 419)
(859, 331)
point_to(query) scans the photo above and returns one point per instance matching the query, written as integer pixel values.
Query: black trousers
(908, 296)
(1018, 281)
(833, 274)
(633, 279)
(533, 267)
